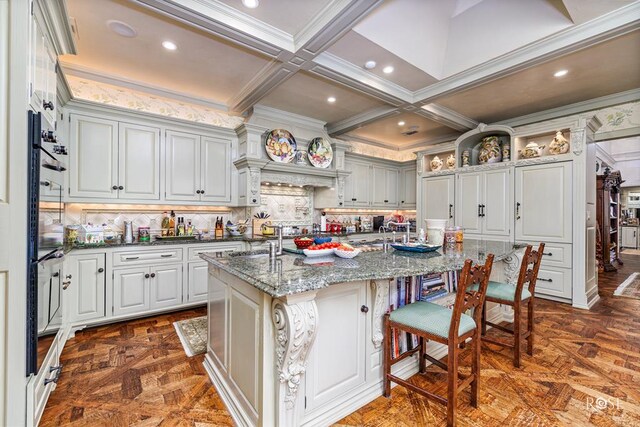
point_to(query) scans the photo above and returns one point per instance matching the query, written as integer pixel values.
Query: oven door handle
(56, 253)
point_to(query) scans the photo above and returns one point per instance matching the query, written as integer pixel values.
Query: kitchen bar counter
(294, 274)
(298, 344)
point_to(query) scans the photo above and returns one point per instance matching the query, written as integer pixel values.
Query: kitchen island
(299, 341)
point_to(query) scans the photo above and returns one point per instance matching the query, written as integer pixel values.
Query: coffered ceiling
(455, 62)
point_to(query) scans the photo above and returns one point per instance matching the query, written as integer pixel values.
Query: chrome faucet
(279, 235)
(385, 245)
(407, 237)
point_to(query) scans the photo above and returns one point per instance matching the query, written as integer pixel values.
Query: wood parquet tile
(137, 374)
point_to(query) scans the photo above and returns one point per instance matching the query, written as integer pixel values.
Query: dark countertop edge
(321, 284)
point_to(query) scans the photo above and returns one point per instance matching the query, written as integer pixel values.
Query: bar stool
(450, 327)
(516, 297)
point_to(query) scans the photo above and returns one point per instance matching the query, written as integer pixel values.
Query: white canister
(435, 230)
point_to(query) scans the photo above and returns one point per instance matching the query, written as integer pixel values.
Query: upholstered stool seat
(504, 291)
(431, 318)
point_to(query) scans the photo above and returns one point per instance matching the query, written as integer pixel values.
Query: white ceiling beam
(447, 117)
(359, 120)
(261, 85)
(610, 25)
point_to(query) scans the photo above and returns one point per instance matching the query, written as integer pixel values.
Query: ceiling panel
(607, 68)
(203, 65)
(387, 131)
(357, 50)
(290, 16)
(307, 94)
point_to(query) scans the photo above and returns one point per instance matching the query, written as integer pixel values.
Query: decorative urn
(490, 151)
(559, 145)
(531, 150)
(451, 162)
(436, 164)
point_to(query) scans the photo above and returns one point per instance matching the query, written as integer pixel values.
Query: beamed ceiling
(455, 62)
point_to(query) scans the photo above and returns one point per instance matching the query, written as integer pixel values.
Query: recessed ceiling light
(121, 28)
(331, 99)
(401, 123)
(251, 4)
(169, 45)
(370, 65)
(388, 69)
(560, 73)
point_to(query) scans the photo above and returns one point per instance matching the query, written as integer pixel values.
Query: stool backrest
(529, 270)
(467, 298)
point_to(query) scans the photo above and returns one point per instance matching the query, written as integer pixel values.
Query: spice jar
(459, 233)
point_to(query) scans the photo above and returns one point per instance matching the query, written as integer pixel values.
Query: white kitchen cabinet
(629, 237)
(131, 290)
(385, 187)
(554, 282)
(197, 168)
(543, 196)
(407, 190)
(42, 73)
(357, 188)
(138, 162)
(337, 359)
(165, 286)
(86, 293)
(93, 149)
(483, 201)
(197, 281)
(437, 198)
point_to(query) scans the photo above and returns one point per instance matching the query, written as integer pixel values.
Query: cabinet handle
(56, 274)
(121, 188)
(166, 255)
(483, 206)
(547, 254)
(153, 275)
(66, 284)
(518, 210)
(146, 276)
(132, 257)
(47, 105)
(545, 280)
(364, 309)
(353, 200)
(386, 201)
(450, 211)
(68, 276)
(479, 210)
(101, 270)
(48, 136)
(115, 187)
(55, 379)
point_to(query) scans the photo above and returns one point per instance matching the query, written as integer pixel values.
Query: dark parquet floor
(585, 371)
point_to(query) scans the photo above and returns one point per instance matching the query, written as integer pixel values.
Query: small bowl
(302, 243)
(346, 254)
(321, 240)
(234, 232)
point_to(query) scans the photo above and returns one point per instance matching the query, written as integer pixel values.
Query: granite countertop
(294, 274)
(196, 241)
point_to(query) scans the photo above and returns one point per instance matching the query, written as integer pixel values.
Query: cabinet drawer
(146, 257)
(555, 254)
(194, 252)
(42, 390)
(554, 282)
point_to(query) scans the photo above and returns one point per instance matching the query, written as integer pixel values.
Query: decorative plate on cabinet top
(280, 145)
(320, 153)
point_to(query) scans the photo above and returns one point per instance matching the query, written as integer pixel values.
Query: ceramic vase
(466, 156)
(559, 144)
(451, 162)
(490, 151)
(506, 152)
(436, 164)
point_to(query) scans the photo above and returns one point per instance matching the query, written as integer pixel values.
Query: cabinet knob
(115, 187)
(101, 270)
(146, 276)
(47, 105)
(66, 284)
(353, 200)
(153, 275)
(386, 201)
(201, 191)
(56, 274)
(121, 188)
(197, 191)
(68, 276)
(364, 309)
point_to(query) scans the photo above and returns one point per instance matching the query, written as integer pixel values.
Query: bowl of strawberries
(346, 251)
(303, 242)
(323, 249)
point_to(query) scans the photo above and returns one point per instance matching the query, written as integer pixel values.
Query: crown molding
(436, 141)
(270, 113)
(576, 108)
(617, 134)
(352, 75)
(602, 154)
(437, 148)
(610, 25)
(115, 80)
(267, 79)
(313, 28)
(56, 20)
(447, 117)
(366, 117)
(369, 141)
(63, 90)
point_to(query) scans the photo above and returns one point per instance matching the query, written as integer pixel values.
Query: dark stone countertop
(292, 274)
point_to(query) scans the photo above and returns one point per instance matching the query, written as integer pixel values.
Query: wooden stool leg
(387, 355)
(423, 362)
(475, 369)
(484, 319)
(516, 334)
(530, 327)
(452, 387)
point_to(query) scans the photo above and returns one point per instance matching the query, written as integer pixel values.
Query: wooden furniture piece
(516, 297)
(608, 217)
(431, 321)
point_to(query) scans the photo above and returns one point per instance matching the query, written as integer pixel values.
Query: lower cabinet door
(197, 281)
(555, 282)
(86, 292)
(165, 286)
(131, 290)
(337, 359)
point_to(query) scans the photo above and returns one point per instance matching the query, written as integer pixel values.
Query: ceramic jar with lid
(436, 163)
(531, 150)
(490, 151)
(559, 144)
